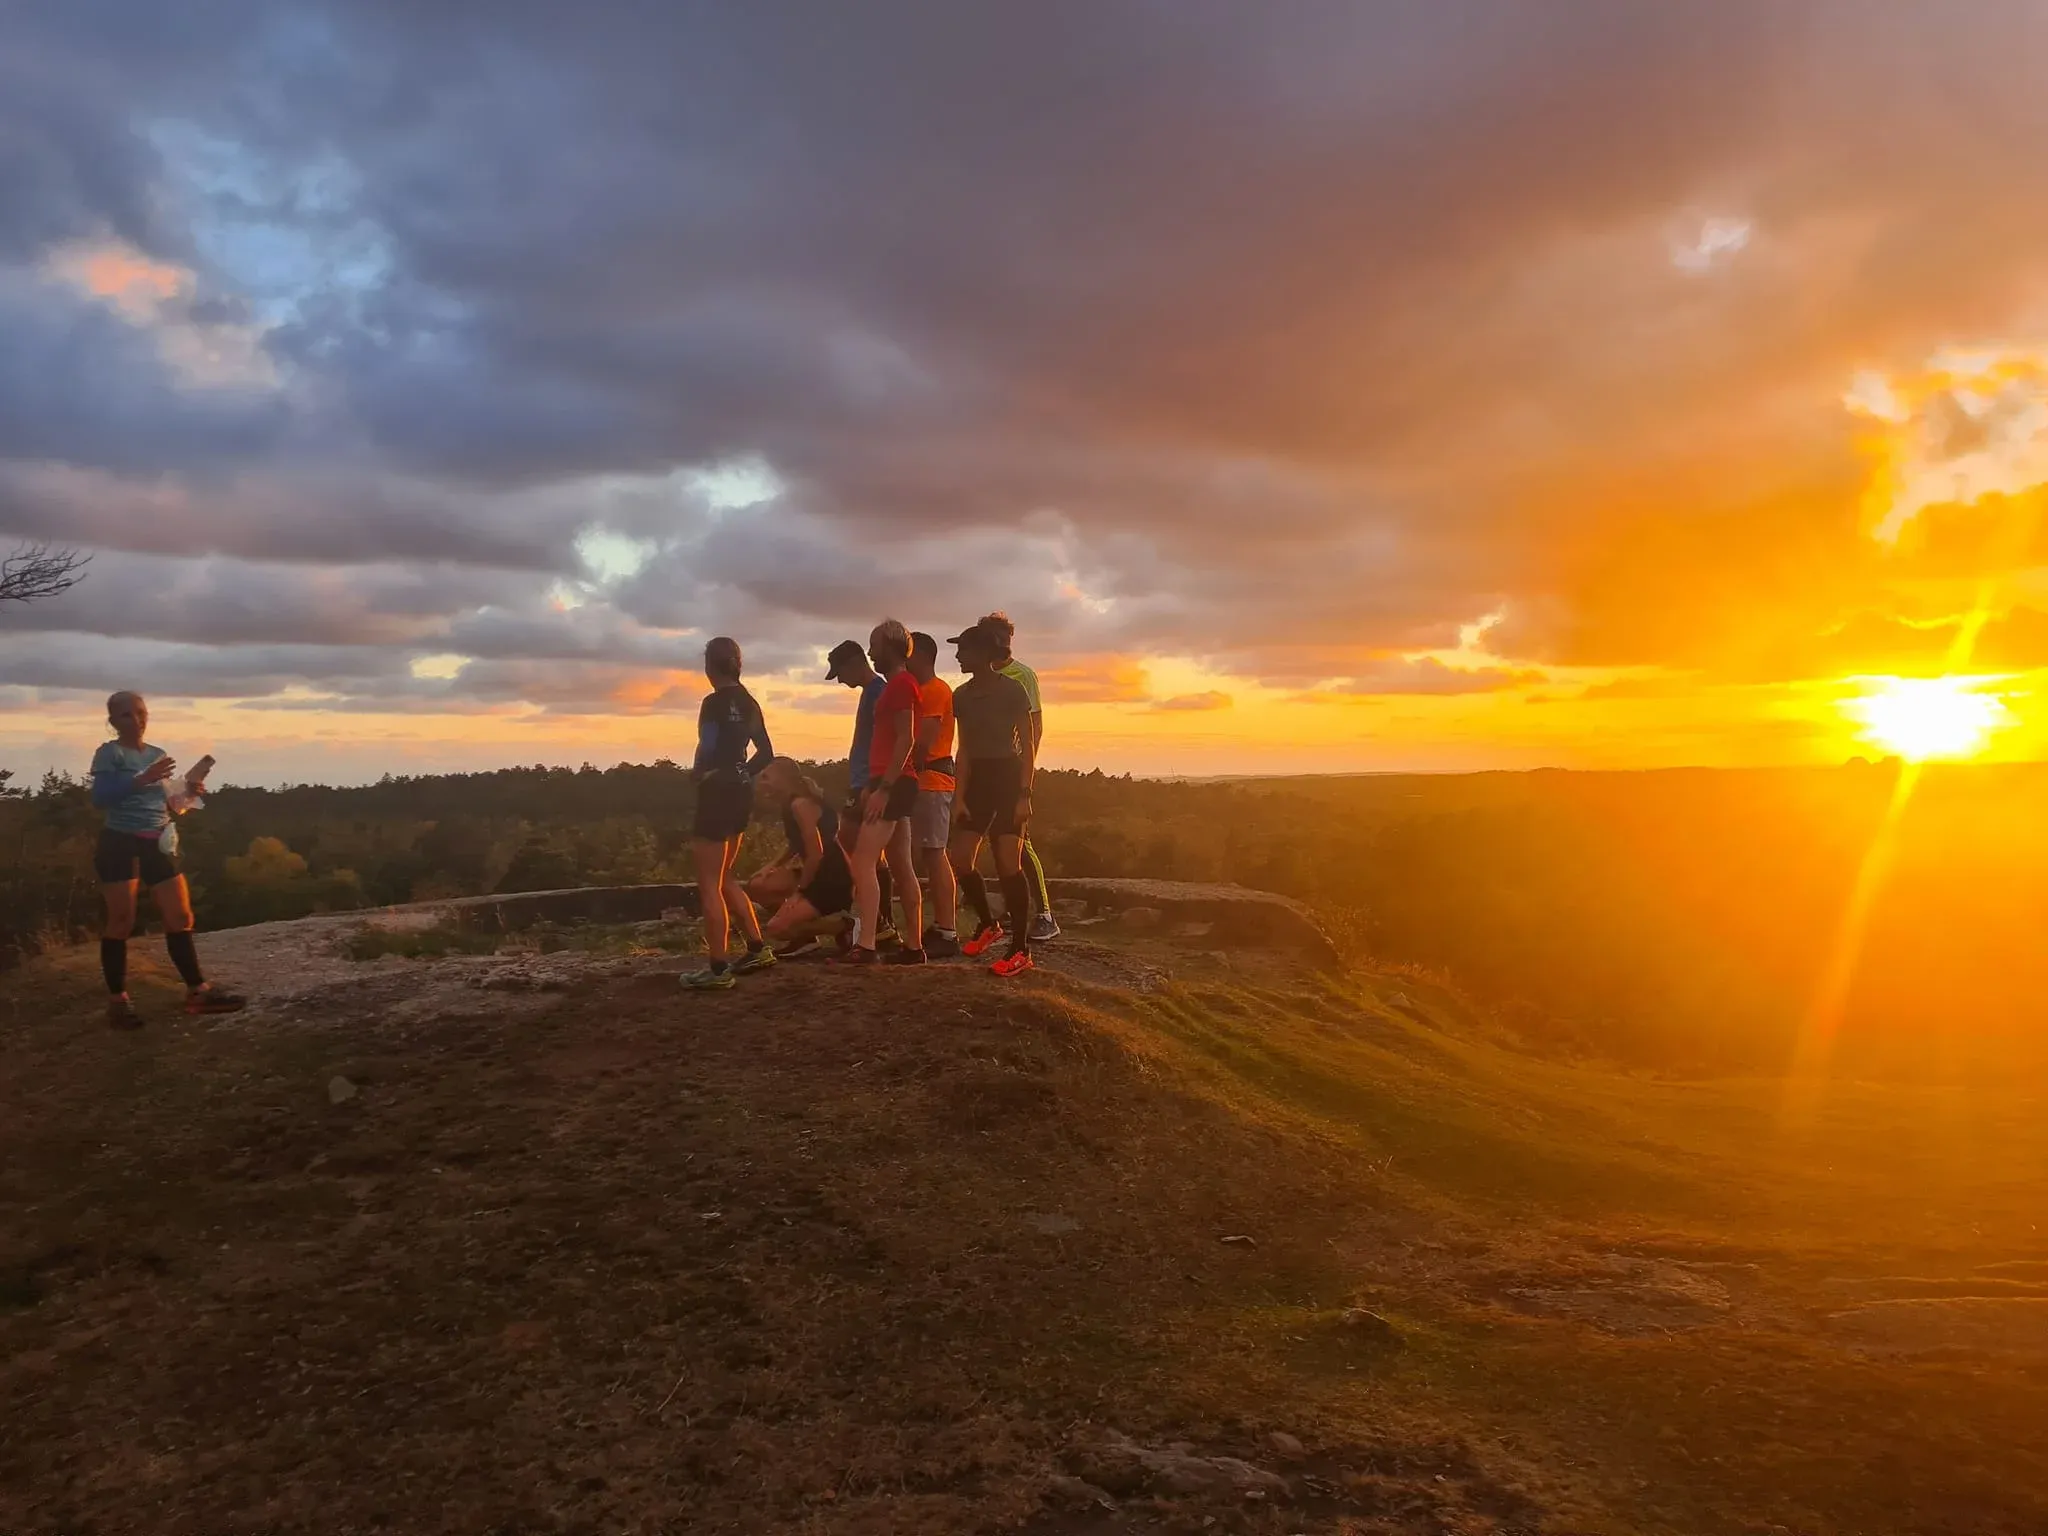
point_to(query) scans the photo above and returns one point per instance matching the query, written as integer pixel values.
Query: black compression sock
(114, 964)
(975, 889)
(888, 890)
(755, 946)
(1017, 903)
(185, 957)
(720, 967)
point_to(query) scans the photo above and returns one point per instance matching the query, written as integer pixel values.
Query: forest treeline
(1678, 919)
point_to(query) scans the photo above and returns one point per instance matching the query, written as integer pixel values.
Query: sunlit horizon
(1665, 451)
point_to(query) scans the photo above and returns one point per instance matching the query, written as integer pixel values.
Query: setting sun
(1922, 718)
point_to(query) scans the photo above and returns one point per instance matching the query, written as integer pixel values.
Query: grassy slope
(1734, 1427)
(491, 1294)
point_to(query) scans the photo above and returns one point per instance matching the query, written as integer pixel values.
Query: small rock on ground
(340, 1090)
(1121, 1464)
(1363, 1320)
(1285, 1446)
(1078, 1491)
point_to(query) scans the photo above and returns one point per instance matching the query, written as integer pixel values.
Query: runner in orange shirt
(931, 819)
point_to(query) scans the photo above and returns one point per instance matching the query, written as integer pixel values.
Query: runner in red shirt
(888, 802)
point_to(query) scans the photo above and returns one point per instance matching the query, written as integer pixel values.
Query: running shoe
(1043, 927)
(754, 960)
(985, 938)
(708, 980)
(939, 946)
(121, 1014)
(214, 1000)
(906, 956)
(887, 935)
(859, 956)
(806, 948)
(1015, 963)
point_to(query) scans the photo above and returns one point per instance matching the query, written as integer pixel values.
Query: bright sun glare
(1927, 717)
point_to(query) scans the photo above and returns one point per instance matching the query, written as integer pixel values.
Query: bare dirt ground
(827, 1256)
(1156, 1240)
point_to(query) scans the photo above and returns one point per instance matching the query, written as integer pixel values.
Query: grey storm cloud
(1283, 337)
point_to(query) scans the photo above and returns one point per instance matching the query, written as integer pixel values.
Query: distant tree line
(1678, 920)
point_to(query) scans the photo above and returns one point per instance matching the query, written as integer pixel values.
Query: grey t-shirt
(992, 714)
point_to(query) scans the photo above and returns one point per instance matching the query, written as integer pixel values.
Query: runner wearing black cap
(992, 797)
(1045, 926)
(849, 664)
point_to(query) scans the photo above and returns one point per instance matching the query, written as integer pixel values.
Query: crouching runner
(993, 766)
(815, 884)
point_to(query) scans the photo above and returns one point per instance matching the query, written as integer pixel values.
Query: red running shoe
(984, 939)
(212, 999)
(1016, 963)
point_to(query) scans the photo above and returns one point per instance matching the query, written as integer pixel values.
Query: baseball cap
(844, 654)
(976, 637)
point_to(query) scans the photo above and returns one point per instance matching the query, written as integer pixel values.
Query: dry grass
(877, 1254)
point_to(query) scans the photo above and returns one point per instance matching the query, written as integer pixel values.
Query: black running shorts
(724, 807)
(831, 889)
(902, 798)
(993, 785)
(119, 857)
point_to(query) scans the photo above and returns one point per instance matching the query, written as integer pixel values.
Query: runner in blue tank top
(134, 783)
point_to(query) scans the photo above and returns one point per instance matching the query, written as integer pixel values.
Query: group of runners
(934, 774)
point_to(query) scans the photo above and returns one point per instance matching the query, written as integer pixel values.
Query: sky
(1320, 387)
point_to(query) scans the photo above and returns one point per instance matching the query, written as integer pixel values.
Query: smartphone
(200, 770)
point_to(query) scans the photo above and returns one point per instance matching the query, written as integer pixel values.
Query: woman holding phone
(132, 782)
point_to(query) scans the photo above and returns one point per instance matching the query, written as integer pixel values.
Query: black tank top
(828, 825)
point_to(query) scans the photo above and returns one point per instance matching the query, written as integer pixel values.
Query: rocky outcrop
(517, 911)
(1233, 915)
(1220, 916)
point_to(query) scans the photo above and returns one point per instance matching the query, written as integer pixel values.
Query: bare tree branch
(37, 570)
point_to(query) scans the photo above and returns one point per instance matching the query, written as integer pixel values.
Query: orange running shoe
(1016, 963)
(984, 940)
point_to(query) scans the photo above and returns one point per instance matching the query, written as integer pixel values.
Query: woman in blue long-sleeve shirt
(732, 748)
(131, 782)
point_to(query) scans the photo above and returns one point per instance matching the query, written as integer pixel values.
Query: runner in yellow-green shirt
(1045, 926)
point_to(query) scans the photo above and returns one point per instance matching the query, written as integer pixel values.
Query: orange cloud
(123, 276)
(1109, 680)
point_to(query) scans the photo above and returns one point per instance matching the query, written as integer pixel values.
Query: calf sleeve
(975, 890)
(1035, 872)
(1017, 906)
(114, 964)
(185, 957)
